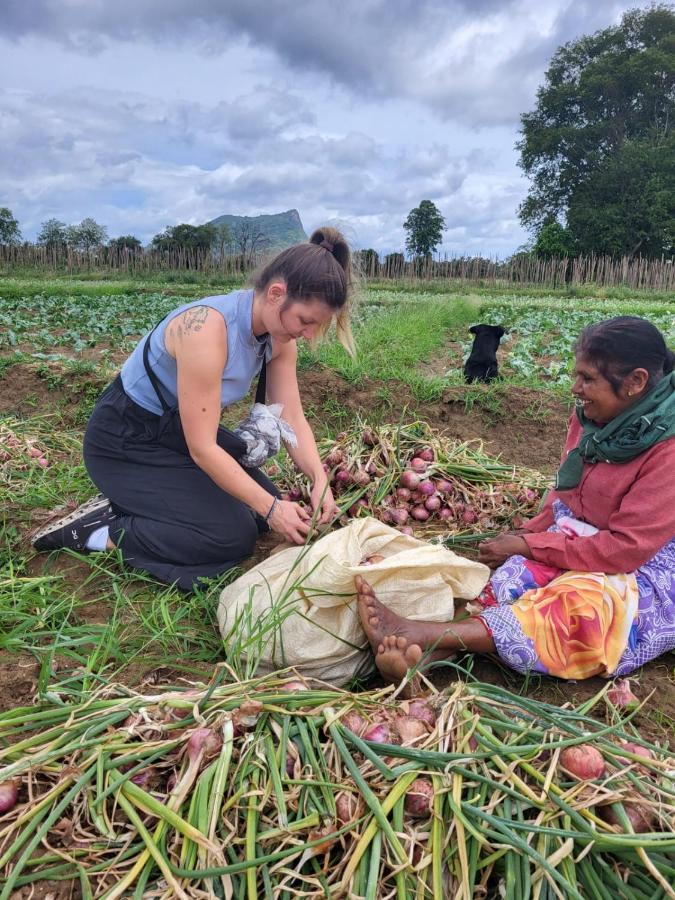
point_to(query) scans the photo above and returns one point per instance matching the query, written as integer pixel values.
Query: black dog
(482, 362)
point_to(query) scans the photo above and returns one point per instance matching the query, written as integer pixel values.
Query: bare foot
(395, 656)
(379, 622)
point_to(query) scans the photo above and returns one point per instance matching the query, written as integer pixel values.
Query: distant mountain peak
(281, 230)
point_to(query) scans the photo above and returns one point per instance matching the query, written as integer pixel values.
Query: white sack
(310, 593)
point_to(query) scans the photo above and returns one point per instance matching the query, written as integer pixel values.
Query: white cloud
(143, 114)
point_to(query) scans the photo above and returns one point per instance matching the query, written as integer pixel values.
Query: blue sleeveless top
(244, 355)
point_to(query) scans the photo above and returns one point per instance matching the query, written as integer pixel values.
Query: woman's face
(594, 393)
(301, 319)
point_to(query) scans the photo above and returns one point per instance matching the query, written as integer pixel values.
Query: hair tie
(327, 245)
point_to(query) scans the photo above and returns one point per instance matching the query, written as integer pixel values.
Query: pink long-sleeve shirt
(632, 504)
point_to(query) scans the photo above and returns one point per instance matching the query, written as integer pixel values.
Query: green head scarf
(645, 423)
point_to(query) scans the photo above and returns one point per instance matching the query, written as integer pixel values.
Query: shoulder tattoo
(194, 318)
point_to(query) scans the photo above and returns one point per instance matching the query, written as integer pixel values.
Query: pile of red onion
(419, 494)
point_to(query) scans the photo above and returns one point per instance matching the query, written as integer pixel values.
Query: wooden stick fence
(637, 272)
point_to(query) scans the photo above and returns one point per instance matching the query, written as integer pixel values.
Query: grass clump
(398, 342)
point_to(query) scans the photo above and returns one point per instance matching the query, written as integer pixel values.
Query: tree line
(246, 239)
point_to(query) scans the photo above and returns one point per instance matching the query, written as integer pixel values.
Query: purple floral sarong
(651, 634)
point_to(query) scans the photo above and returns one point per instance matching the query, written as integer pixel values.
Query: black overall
(173, 521)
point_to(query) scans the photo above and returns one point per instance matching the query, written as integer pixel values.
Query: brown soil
(523, 426)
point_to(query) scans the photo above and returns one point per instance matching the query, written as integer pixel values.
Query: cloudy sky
(146, 113)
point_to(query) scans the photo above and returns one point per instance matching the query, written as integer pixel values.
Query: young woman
(175, 500)
(588, 588)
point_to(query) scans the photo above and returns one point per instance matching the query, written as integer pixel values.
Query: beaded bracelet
(272, 508)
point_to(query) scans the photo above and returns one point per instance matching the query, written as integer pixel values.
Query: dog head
(495, 331)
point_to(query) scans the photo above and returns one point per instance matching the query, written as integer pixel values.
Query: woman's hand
(321, 498)
(290, 520)
(497, 550)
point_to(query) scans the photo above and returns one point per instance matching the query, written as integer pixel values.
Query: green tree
(87, 235)
(126, 242)
(369, 261)
(52, 234)
(10, 233)
(223, 239)
(425, 226)
(185, 237)
(553, 240)
(598, 147)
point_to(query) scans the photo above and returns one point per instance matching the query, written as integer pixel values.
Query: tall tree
(185, 237)
(599, 146)
(10, 233)
(52, 234)
(87, 235)
(223, 239)
(126, 242)
(425, 226)
(250, 240)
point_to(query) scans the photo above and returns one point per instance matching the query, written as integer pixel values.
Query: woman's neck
(257, 325)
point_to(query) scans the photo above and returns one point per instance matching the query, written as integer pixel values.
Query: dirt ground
(525, 427)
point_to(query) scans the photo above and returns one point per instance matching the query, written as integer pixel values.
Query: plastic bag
(263, 430)
(298, 607)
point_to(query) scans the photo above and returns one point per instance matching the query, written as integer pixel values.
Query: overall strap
(151, 375)
(260, 392)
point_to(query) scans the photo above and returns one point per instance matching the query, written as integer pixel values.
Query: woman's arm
(282, 387)
(198, 340)
(642, 524)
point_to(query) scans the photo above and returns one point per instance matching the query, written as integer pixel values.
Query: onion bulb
(444, 486)
(640, 816)
(426, 454)
(420, 709)
(348, 806)
(335, 457)
(621, 695)
(433, 503)
(418, 798)
(379, 733)
(398, 516)
(420, 513)
(409, 729)
(426, 487)
(354, 722)
(584, 762)
(203, 742)
(418, 465)
(406, 529)
(403, 493)
(637, 749)
(409, 479)
(9, 794)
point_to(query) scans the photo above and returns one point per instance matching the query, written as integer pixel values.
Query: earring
(630, 393)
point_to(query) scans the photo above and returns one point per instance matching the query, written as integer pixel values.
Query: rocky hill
(280, 230)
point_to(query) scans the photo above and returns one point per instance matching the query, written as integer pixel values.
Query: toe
(401, 643)
(381, 648)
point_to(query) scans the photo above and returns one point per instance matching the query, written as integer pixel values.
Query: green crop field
(75, 624)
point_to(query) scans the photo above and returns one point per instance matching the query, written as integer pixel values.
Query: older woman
(588, 588)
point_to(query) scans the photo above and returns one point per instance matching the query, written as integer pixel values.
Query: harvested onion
(348, 806)
(409, 729)
(9, 793)
(418, 798)
(584, 762)
(420, 709)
